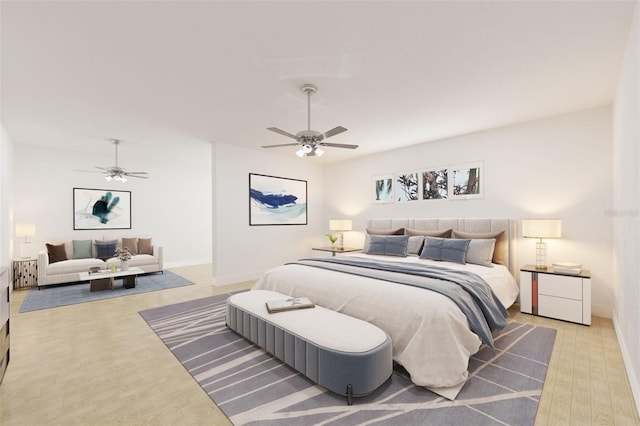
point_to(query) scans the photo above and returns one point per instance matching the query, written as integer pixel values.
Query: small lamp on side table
(541, 228)
(340, 225)
(25, 230)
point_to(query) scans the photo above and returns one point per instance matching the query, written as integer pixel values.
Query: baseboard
(634, 379)
(192, 262)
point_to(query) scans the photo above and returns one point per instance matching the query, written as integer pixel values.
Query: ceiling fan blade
(283, 144)
(334, 131)
(282, 132)
(88, 171)
(339, 145)
(136, 176)
(101, 168)
(136, 173)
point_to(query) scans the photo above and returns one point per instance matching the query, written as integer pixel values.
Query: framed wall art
(465, 181)
(277, 201)
(101, 209)
(435, 184)
(383, 189)
(407, 186)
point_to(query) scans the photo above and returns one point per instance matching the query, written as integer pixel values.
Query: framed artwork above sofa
(101, 209)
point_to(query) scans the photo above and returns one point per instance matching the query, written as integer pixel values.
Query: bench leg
(349, 395)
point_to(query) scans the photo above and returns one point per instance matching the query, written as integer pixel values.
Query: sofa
(63, 262)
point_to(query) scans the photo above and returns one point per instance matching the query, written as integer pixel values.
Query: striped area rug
(253, 388)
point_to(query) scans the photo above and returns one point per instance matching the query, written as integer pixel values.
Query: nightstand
(331, 251)
(25, 273)
(552, 294)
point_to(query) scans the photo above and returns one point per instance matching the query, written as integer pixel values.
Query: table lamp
(25, 230)
(340, 225)
(541, 228)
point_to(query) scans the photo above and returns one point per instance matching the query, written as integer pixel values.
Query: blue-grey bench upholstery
(345, 355)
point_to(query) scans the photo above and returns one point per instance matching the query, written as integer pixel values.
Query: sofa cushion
(73, 265)
(131, 244)
(105, 249)
(57, 253)
(144, 246)
(82, 249)
(137, 260)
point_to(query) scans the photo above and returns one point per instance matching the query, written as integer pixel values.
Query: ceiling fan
(115, 172)
(310, 141)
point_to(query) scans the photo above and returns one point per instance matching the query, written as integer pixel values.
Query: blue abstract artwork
(101, 209)
(277, 200)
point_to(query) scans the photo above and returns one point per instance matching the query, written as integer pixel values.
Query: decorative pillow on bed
(445, 249)
(501, 242)
(480, 252)
(82, 249)
(414, 246)
(439, 234)
(105, 249)
(374, 231)
(390, 245)
(56, 253)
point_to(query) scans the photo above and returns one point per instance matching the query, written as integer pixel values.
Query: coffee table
(103, 280)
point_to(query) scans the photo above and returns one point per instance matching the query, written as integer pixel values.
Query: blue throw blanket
(467, 290)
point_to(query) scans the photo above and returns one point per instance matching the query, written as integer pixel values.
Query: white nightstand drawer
(560, 286)
(557, 307)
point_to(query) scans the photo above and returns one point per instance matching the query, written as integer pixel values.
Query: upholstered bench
(343, 354)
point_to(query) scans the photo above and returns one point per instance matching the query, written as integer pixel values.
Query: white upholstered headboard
(458, 224)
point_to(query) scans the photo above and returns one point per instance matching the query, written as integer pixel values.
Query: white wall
(556, 167)
(626, 157)
(173, 206)
(244, 252)
(6, 179)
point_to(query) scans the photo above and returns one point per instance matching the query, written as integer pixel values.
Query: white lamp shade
(25, 229)
(340, 225)
(541, 228)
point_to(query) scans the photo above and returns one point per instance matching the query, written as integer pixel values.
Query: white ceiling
(74, 74)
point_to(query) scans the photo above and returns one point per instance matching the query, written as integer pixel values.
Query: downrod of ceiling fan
(309, 89)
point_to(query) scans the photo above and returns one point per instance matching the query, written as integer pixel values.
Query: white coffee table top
(106, 273)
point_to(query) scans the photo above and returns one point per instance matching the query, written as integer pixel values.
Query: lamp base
(541, 249)
(25, 250)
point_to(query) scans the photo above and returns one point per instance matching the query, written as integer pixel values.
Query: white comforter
(430, 334)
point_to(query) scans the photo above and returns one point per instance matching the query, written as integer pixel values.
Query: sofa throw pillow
(105, 249)
(439, 234)
(480, 252)
(144, 246)
(389, 245)
(82, 249)
(445, 249)
(131, 244)
(57, 253)
(501, 242)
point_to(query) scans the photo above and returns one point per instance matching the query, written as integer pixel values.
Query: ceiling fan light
(307, 148)
(108, 178)
(319, 152)
(123, 179)
(300, 153)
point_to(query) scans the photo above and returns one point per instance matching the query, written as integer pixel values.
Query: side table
(25, 273)
(331, 251)
(555, 295)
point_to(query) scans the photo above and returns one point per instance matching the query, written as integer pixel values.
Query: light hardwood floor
(99, 363)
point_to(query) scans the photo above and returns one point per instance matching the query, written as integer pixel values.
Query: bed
(432, 337)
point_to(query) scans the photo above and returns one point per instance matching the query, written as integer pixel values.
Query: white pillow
(480, 251)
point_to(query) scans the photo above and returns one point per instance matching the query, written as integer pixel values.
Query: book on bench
(289, 304)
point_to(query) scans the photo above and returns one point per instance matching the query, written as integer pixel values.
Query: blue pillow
(388, 245)
(105, 249)
(445, 249)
